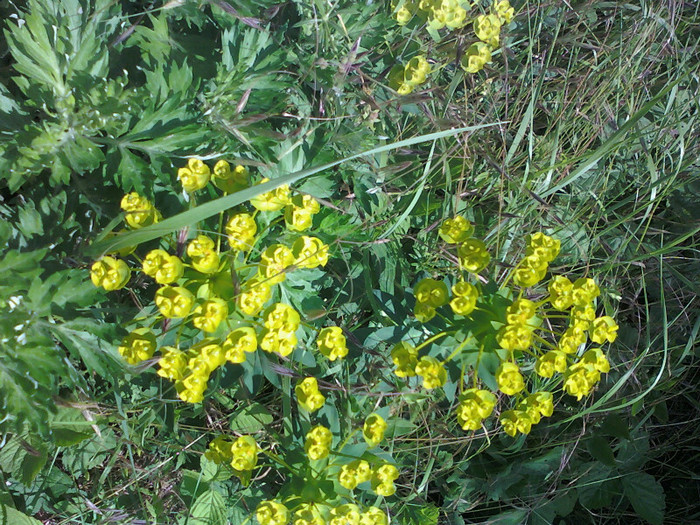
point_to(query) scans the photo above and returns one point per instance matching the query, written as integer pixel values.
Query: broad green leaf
(646, 495)
(251, 419)
(600, 449)
(10, 516)
(208, 509)
(69, 427)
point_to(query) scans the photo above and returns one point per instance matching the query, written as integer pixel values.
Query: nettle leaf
(646, 495)
(23, 457)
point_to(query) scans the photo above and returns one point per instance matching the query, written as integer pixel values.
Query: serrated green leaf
(208, 509)
(600, 449)
(646, 495)
(252, 418)
(69, 427)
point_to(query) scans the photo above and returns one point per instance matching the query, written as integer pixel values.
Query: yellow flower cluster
(198, 291)
(513, 328)
(139, 210)
(353, 473)
(331, 343)
(382, 479)
(405, 79)
(110, 273)
(241, 454)
(527, 413)
(373, 429)
(430, 295)
(455, 14)
(138, 346)
(308, 395)
(474, 406)
(318, 442)
(272, 513)
(541, 250)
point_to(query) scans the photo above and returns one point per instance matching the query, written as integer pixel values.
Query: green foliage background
(585, 126)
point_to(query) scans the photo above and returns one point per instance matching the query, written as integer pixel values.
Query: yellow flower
(239, 342)
(139, 211)
(431, 292)
(432, 371)
(282, 317)
(543, 247)
(318, 442)
(162, 266)
(455, 230)
(505, 11)
(530, 271)
(487, 29)
(583, 316)
(354, 473)
(110, 273)
(174, 301)
(465, 296)
(191, 388)
(272, 200)
(308, 395)
(403, 15)
(138, 346)
(514, 337)
(274, 261)
(202, 251)
(210, 353)
(423, 312)
(272, 513)
(604, 329)
(244, 453)
(253, 296)
(383, 480)
(552, 361)
(405, 357)
(331, 343)
(373, 429)
(473, 255)
(560, 292)
(596, 358)
(543, 402)
(209, 315)
(173, 364)
(456, 17)
(520, 312)
(230, 180)
(580, 379)
(509, 379)
(584, 291)
(515, 421)
(241, 230)
(474, 406)
(374, 516)
(219, 450)
(572, 338)
(309, 252)
(346, 514)
(416, 71)
(476, 57)
(298, 214)
(280, 342)
(195, 176)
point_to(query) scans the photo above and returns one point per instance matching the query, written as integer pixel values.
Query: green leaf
(615, 426)
(10, 516)
(646, 495)
(600, 449)
(420, 515)
(208, 509)
(251, 419)
(69, 427)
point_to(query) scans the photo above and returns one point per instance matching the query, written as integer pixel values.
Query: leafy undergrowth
(583, 125)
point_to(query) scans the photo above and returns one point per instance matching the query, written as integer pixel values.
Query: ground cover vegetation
(341, 263)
